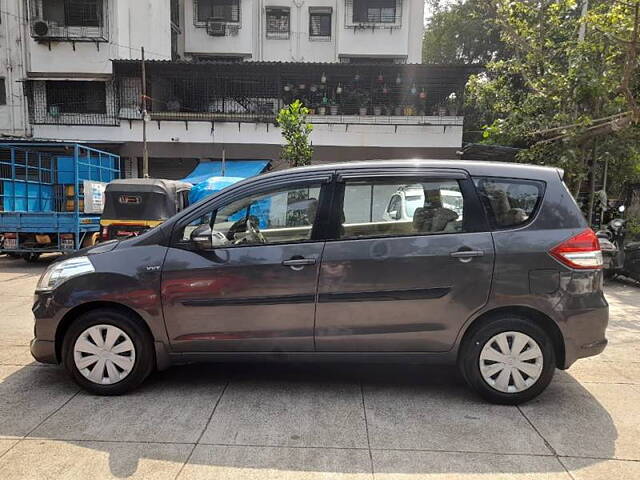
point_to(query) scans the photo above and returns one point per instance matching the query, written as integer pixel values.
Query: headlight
(60, 272)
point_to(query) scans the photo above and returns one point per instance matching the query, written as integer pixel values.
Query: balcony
(365, 94)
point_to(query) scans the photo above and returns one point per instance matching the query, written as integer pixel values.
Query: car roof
(474, 168)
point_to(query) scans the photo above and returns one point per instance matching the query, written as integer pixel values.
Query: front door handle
(465, 256)
(298, 263)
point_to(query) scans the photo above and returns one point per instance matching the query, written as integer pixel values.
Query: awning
(232, 168)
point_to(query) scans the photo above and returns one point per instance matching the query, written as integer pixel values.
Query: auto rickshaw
(134, 205)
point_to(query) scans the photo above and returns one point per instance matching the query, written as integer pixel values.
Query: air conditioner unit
(233, 29)
(216, 28)
(40, 28)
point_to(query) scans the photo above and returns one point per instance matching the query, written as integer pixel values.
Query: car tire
(31, 257)
(129, 367)
(496, 374)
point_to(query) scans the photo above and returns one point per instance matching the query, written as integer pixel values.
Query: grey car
(302, 264)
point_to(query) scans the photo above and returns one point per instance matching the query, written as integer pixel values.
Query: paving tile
(590, 419)
(172, 406)
(586, 469)
(449, 418)
(395, 465)
(598, 371)
(11, 304)
(269, 463)
(28, 395)
(6, 444)
(624, 344)
(44, 460)
(16, 329)
(311, 413)
(16, 355)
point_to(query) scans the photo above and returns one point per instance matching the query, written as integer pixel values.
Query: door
(254, 289)
(405, 284)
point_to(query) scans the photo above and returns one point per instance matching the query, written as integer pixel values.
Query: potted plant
(333, 108)
(442, 110)
(322, 108)
(361, 101)
(377, 110)
(397, 111)
(452, 102)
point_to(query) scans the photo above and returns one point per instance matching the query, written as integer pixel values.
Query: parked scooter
(618, 258)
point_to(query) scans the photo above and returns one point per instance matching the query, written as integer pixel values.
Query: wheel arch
(531, 314)
(75, 312)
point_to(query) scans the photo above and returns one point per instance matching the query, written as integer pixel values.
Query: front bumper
(43, 351)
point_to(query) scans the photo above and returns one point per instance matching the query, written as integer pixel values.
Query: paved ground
(308, 422)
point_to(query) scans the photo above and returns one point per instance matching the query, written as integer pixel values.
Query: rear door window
(374, 208)
(509, 202)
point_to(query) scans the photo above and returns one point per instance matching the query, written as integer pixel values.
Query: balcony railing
(255, 92)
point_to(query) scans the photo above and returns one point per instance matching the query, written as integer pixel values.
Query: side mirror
(201, 237)
(621, 208)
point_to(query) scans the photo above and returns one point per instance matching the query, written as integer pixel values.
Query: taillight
(105, 233)
(581, 252)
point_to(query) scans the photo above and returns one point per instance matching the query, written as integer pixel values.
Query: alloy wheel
(104, 354)
(511, 362)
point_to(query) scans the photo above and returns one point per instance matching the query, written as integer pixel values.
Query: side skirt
(440, 358)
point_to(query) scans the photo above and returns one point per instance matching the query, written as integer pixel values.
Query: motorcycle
(618, 258)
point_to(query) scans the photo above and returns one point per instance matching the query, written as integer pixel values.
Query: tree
(461, 32)
(568, 100)
(292, 119)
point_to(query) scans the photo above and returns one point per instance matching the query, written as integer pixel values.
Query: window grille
(320, 23)
(73, 20)
(373, 13)
(277, 23)
(219, 10)
(71, 102)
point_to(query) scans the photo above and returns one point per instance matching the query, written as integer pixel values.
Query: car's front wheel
(107, 352)
(508, 360)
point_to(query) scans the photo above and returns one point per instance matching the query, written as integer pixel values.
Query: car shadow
(399, 410)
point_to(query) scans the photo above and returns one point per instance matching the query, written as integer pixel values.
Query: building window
(76, 97)
(320, 23)
(73, 13)
(219, 10)
(278, 22)
(374, 11)
(3, 92)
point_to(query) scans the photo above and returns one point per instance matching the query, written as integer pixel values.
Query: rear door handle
(298, 263)
(466, 255)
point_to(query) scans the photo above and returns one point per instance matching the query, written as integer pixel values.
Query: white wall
(131, 25)
(257, 133)
(196, 39)
(251, 41)
(12, 68)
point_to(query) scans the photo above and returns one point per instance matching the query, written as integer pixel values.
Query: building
(218, 71)
(13, 115)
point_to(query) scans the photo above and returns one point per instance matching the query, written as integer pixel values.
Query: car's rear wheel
(107, 352)
(508, 360)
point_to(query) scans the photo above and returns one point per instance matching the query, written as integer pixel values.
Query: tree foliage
(461, 32)
(292, 119)
(567, 91)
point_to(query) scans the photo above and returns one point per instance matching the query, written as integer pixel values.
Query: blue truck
(50, 196)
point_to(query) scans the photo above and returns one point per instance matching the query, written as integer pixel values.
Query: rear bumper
(585, 334)
(43, 351)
